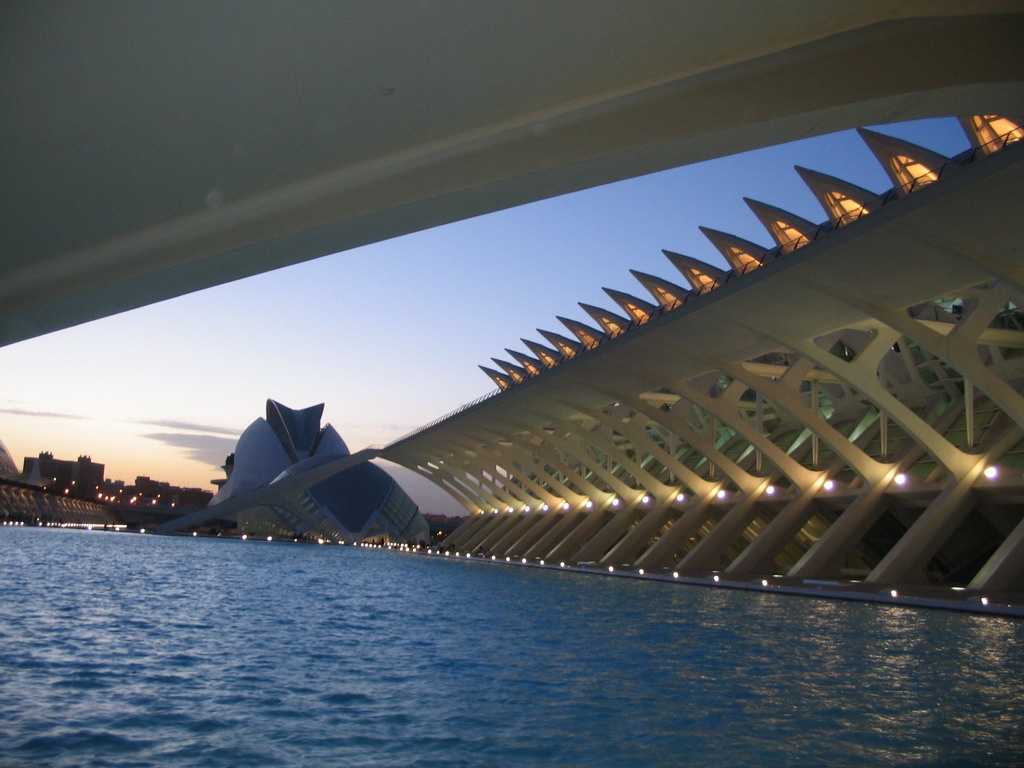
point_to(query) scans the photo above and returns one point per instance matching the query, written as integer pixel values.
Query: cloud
(207, 449)
(191, 427)
(44, 414)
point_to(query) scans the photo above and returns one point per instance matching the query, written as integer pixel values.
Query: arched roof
(153, 149)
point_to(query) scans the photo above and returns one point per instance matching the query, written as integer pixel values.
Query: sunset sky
(389, 336)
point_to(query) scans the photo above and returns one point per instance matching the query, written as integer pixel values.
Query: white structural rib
(847, 412)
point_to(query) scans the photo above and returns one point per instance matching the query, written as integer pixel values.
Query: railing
(955, 163)
(447, 416)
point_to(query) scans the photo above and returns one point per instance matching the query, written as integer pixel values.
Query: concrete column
(594, 520)
(707, 551)
(760, 553)
(649, 524)
(486, 543)
(602, 540)
(494, 523)
(662, 553)
(541, 525)
(823, 558)
(905, 562)
(524, 522)
(556, 533)
(1004, 568)
(467, 529)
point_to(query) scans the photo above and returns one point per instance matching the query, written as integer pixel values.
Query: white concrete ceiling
(149, 149)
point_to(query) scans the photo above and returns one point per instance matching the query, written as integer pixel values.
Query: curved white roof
(152, 149)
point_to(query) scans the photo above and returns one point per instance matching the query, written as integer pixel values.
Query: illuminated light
(142, 530)
(991, 472)
(984, 601)
(675, 574)
(615, 502)
(565, 505)
(526, 509)
(446, 554)
(270, 538)
(957, 589)
(562, 564)
(645, 500)
(900, 479)
(641, 571)
(318, 541)
(88, 527)
(458, 554)
(715, 578)
(764, 582)
(509, 510)
(828, 485)
(542, 562)
(893, 593)
(194, 533)
(680, 497)
(589, 505)
(494, 511)
(508, 559)
(611, 569)
(722, 494)
(770, 490)
(544, 508)
(493, 557)
(524, 561)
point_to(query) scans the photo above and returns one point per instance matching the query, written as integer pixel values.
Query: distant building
(87, 474)
(83, 476)
(359, 503)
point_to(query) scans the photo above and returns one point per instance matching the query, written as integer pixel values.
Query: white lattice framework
(846, 404)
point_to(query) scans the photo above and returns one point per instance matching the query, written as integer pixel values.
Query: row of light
(646, 499)
(991, 472)
(562, 564)
(83, 526)
(983, 600)
(410, 548)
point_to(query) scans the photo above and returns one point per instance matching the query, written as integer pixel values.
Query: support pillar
(707, 551)
(662, 553)
(777, 534)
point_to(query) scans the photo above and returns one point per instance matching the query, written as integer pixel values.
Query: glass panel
(637, 313)
(743, 258)
(844, 209)
(993, 128)
(789, 237)
(912, 173)
(665, 297)
(703, 281)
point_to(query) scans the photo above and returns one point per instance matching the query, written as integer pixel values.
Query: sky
(390, 336)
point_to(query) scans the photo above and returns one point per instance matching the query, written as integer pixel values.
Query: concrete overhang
(153, 149)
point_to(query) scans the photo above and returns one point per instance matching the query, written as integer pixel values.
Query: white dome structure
(8, 469)
(362, 502)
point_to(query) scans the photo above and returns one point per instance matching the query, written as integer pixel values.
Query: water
(127, 650)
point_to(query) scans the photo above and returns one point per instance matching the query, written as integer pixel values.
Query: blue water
(129, 650)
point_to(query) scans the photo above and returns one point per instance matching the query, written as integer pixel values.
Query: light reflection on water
(123, 650)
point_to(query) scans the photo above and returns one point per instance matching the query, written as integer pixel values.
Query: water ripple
(121, 650)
